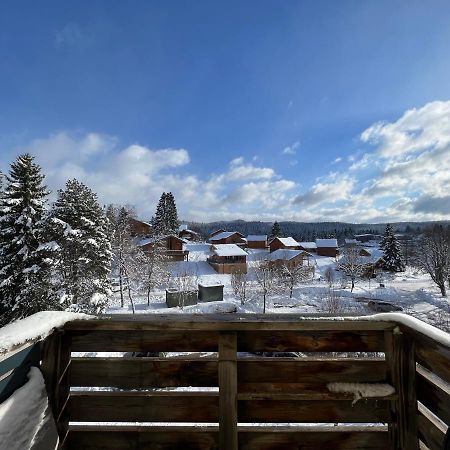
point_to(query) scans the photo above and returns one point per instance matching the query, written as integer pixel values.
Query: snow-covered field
(412, 291)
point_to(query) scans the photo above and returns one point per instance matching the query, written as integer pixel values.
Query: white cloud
(403, 175)
(291, 149)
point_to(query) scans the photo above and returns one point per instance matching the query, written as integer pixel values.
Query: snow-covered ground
(413, 291)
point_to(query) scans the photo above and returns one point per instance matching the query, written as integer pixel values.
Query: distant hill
(308, 231)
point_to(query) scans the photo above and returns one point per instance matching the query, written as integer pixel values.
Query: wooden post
(228, 436)
(400, 356)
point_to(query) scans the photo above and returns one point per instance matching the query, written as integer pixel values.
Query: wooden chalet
(257, 241)
(138, 228)
(173, 246)
(289, 258)
(397, 401)
(228, 237)
(327, 247)
(228, 258)
(187, 234)
(309, 247)
(288, 243)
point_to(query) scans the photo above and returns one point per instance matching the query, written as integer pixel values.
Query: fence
(222, 390)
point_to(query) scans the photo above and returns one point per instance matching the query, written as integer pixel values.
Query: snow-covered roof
(350, 241)
(145, 241)
(257, 237)
(285, 254)
(310, 245)
(228, 250)
(326, 243)
(222, 235)
(183, 227)
(288, 241)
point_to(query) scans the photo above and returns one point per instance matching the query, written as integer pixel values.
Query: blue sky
(244, 109)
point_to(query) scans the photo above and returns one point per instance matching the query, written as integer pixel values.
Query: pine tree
(172, 214)
(392, 255)
(276, 229)
(165, 220)
(26, 258)
(81, 228)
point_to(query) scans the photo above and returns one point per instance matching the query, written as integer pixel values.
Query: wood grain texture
(223, 322)
(311, 341)
(148, 341)
(435, 397)
(326, 411)
(132, 440)
(144, 407)
(228, 416)
(430, 434)
(136, 373)
(331, 440)
(280, 371)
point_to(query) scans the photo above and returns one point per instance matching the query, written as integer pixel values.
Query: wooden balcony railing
(233, 396)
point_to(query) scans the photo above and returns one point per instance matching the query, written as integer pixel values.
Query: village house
(289, 258)
(185, 233)
(309, 247)
(350, 242)
(327, 247)
(228, 237)
(367, 237)
(138, 228)
(257, 241)
(228, 258)
(283, 243)
(173, 246)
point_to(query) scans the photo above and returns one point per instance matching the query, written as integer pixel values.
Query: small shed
(327, 247)
(228, 237)
(210, 292)
(175, 298)
(257, 241)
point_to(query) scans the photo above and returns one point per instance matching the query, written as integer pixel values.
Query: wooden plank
(136, 373)
(148, 341)
(222, 322)
(436, 397)
(16, 376)
(336, 439)
(433, 355)
(311, 341)
(294, 391)
(228, 436)
(326, 411)
(144, 407)
(25, 355)
(429, 433)
(279, 371)
(400, 356)
(156, 440)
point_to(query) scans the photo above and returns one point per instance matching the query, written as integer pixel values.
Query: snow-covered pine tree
(165, 220)
(172, 214)
(392, 254)
(26, 258)
(276, 229)
(80, 227)
(159, 225)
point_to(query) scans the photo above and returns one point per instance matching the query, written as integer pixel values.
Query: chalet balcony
(250, 382)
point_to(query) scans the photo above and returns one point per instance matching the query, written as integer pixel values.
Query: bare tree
(155, 270)
(239, 282)
(329, 276)
(351, 264)
(185, 282)
(294, 275)
(267, 280)
(434, 255)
